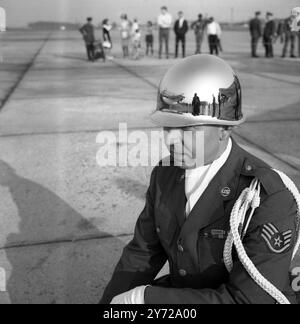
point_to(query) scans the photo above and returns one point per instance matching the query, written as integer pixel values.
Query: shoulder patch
(277, 242)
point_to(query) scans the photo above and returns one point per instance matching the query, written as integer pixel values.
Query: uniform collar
(223, 188)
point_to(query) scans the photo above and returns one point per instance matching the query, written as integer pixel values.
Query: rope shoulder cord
(250, 198)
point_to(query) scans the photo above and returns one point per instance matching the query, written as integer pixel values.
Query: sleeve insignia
(276, 241)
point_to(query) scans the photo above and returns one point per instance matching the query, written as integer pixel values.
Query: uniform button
(182, 272)
(180, 248)
(249, 168)
(157, 230)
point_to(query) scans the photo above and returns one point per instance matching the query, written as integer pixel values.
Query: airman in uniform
(189, 203)
(255, 27)
(269, 35)
(88, 33)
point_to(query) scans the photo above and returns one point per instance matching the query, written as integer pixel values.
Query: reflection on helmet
(199, 90)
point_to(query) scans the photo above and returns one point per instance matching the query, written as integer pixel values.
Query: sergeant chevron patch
(276, 241)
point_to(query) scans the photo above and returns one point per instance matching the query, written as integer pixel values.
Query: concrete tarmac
(64, 219)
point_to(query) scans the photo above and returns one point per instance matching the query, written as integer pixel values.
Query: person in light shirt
(296, 25)
(214, 32)
(125, 34)
(164, 22)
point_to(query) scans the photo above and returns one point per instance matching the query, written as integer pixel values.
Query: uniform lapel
(173, 200)
(179, 198)
(223, 187)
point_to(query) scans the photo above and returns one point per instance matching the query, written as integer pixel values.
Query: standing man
(88, 32)
(269, 35)
(287, 36)
(193, 216)
(196, 104)
(199, 27)
(255, 27)
(214, 33)
(180, 28)
(164, 22)
(296, 25)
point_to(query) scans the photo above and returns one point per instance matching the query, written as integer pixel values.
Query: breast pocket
(210, 246)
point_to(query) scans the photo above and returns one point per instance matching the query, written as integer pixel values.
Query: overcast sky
(20, 12)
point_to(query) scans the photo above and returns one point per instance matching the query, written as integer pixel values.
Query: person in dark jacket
(269, 35)
(199, 28)
(189, 211)
(88, 32)
(106, 28)
(196, 103)
(255, 27)
(180, 28)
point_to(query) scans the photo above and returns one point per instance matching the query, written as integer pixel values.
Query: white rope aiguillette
(250, 198)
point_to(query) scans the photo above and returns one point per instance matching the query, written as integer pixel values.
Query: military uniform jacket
(270, 29)
(255, 27)
(88, 33)
(194, 245)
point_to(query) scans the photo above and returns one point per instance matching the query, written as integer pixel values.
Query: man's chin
(186, 165)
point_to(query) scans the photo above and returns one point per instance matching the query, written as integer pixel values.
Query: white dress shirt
(164, 21)
(197, 180)
(214, 28)
(181, 21)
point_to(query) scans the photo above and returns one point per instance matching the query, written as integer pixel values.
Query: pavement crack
(21, 77)
(64, 240)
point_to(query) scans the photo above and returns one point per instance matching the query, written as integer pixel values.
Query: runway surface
(65, 220)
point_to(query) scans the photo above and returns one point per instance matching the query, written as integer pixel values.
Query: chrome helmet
(199, 90)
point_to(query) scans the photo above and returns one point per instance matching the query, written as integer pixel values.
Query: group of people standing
(181, 27)
(270, 32)
(131, 36)
(95, 49)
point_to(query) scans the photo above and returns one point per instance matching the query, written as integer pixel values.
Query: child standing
(149, 38)
(125, 34)
(136, 44)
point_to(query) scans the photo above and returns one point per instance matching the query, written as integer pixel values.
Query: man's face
(163, 11)
(180, 15)
(192, 147)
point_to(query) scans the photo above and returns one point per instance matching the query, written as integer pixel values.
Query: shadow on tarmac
(57, 272)
(132, 187)
(73, 57)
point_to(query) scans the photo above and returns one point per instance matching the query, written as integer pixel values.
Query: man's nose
(173, 136)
